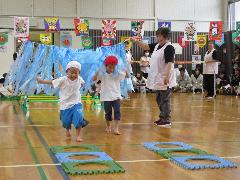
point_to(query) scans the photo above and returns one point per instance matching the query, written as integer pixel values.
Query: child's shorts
(73, 115)
(108, 106)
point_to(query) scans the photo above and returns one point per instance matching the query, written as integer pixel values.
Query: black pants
(108, 106)
(209, 84)
(145, 75)
(163, 99)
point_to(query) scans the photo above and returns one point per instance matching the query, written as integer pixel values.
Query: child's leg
(65, 117)
(78, 135)
(117, 116)
(108, 115)
(68, 134)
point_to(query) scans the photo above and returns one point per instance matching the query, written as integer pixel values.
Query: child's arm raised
(95, 77)
(40, 81)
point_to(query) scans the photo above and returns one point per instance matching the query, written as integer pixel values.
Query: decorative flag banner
(137, 31)
(196, 49)
(164, 24)
(146, 40)
(106, 42)
(190, 33)
(182, 42)
(109, 29)
(238, 26)
(87, 42)
(178, 48)
(129, 43)
(3, 41)
(196, 59)
(236, 38)
(66, 40)
(52, 24)
(81, 27)
(201, 40)
(215, 30)
(46, 38)
(219, 43)
(21, 26)
(23, 39)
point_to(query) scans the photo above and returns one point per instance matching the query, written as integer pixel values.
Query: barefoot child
(110, 92)
(70, 98)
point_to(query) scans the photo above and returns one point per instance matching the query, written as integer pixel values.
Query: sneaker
(157, 121)
(210, 98)
(164, 124)
(85, 124)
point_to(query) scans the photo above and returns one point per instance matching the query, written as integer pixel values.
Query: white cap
(179, 66)
(74, 64)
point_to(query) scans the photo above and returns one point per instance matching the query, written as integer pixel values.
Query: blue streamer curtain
(51, 61)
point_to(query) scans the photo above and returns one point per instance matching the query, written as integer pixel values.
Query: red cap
(111, 60)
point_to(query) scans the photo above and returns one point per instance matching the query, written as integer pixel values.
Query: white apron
(210, 68)
(158, 69)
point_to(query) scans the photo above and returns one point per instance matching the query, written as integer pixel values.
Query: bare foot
(79, 139)
(108, 129)
(116, 132)
(68, 135)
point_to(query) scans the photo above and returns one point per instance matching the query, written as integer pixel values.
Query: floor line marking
(130, 161)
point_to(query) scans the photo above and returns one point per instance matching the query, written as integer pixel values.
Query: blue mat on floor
(65, 157)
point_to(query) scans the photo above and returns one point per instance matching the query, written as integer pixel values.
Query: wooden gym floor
(210, 126)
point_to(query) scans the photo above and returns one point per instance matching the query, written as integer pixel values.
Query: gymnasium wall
(177, 11)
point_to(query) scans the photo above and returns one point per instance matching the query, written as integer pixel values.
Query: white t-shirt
(69, 91)
(110, 86)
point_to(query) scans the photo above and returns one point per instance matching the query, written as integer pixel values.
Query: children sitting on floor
(183, 82)
(223, 84)
(139, 83)
(197, 81)
(235, 82)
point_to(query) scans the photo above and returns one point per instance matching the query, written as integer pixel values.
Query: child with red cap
(110, 92)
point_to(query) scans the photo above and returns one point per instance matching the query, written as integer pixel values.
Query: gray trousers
(163, 100)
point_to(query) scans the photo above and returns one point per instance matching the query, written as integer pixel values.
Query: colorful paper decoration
(236, 38)
(164, 24)
(87, 42)
(81, 27)
(238, 26)
(196, 49)
(137, 31)
(46, 38)
(106, 42)
(52, 24)
(3, 41)
(215, 30)
(22, 39)
(3, 38)
(146, 40)
(182, 42)
(21, 26)
(220, 42)
(201, 40)
(129, 42)
(190, 33)
(66, 40)
(109, 29)
(196, 59)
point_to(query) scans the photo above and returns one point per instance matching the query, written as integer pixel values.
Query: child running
(71, 111)
(110, 92)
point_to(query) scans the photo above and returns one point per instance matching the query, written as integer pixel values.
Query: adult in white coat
(161, 74)
(210, 69)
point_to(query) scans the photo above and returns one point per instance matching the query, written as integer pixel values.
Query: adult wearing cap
(210, 69)
(161, 75)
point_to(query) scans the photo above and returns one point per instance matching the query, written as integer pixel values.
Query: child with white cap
(71, 111)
